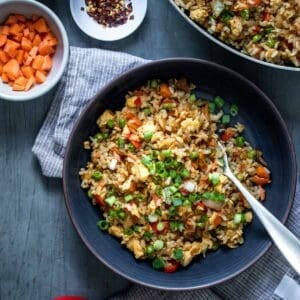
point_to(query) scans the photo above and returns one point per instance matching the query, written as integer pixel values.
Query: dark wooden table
(40, 253)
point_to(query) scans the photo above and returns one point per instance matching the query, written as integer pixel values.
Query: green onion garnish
(122, 123)
(110, 124)
(90, 195)
(158, 245)
(234, 110)
(149, 250)
(238, 218)
(148, 136)
(110, 200)
(99, 137)
(214, 178)
(240, 141)
(194, 155)
(166, 153)
(178, 254)
(97, 175)
(211, 107)
(184, 173)
(128, 198)
(160, 226)
(121, 214)
(158, 263)
(226, 119)
(147, 111)
(219, 101)
(148, 235)
(192, 98)
(154, 83)
(257, 38)
(121, 142)
(251, 154)
(172, 211)
(103, 225)
(214, 196)
(112, 213)
(245, 14)
(271, 42)
(177, 202)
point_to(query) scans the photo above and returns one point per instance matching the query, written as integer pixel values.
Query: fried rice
(155, 171)
(265, 29)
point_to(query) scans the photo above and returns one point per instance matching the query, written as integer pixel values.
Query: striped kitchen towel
(87, 72)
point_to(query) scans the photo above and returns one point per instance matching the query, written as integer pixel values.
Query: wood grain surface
(40, 253)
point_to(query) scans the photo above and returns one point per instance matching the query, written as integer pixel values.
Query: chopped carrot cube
(26, 44)
(4, 77)
(11, 20)
(3, 57)
(10, 44)
(15, 29)
(37, 40)
(21, 18)
(38, 62)
(12, 52)
(11, 68)
(17, 87)
(41, 26)
(3, 39)
(21, 81)
(30, 83)
(4, 30)
(20, 56)
(47, 64)
(26, 32)
(45, 49)
(27, 71)
(33, 52)
(40, 77)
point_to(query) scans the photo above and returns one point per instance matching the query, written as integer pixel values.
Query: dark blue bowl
(265, 129)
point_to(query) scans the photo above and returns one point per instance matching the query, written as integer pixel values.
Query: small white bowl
(60, 58)
(97, 31)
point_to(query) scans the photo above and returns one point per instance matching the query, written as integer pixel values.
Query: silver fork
(285, 240)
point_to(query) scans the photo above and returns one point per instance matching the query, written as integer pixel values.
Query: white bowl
(97, 31)
(60, 58)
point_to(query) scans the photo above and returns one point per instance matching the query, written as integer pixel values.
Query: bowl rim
(65, 56)
(108, 87)
(228, 47)
(108, 39)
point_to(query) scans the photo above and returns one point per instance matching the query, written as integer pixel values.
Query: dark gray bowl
(227, 46)
(265, 130)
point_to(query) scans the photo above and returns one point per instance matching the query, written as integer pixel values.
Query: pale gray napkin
(89, 70)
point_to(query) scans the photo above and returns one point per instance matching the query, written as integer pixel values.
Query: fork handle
(285, 240)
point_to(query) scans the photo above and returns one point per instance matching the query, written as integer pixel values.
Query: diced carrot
(164, 90)
(4, 30)
(51, 39)
(27, 71)
(26, 44)
(29, 25)
(41, 26)
(11, 20)
(3, 57)
(262, 193)
(34, 17)
(17, 87)
(20, 57)
(33, 52)
(45, 49)
(3, 39)
(260, 180)
(12, 52)
(21, 81)
(37, 40)
(28, 61)
(11, 68)
(31, 35)
(26, 32)
(4, 77)
(38, 62)
(30, 83)
(21, 18)
(1, 68)
(15, 29)
(47, 64)
(263, 172)
(40, 77)
(17, 38)
(11, 44)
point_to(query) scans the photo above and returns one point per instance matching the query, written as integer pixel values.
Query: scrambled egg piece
(106, 116)
(140, 171)
(199, 15)
(135, 246)
(190, 124)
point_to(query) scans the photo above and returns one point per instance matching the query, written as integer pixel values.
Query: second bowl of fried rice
(143, 175)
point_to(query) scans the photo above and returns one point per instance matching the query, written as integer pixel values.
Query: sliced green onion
(219, 101)
(257, 38)
(122, 123)
(99, 137)
(271, 42)
(158, 211)
(154, 83)
(173, 189)
(214, 196)
(110, 200)
(128, 198)
(148, 136)
(178, 254)
(176, 225)
(121, 214)
(90, 195)
(226, 119)
(166, 153)
(184, 173)
(153, 218)
(147, 111)
(240, 141)
(148, 235)
(128, 231)
(103, 225)
(268, 29)
(234, 110)
(121, 142)
(172, 211)
(110, 124)
(158, 263)
(172, 174)
(158, 245)
(186, 202)
(226, 16)
(178, 180)
(238, 218)
(177, 202)
(167, 106)
(251, 154)
(200, 225)
(112, 213)
(105, 135)
(245, 14)
(97, 175)
(192, 98)
(160, 226)
(130, 147)
(149, 250)
(194, 155)
(211, 107)
(214, 178)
